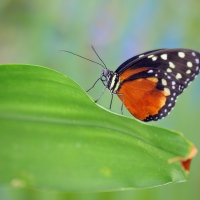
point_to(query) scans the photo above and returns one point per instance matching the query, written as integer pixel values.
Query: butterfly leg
(122, 102)
(111, 100)
(101, 94)
(94, 84)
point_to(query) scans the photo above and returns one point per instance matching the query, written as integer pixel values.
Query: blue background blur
(33, 32)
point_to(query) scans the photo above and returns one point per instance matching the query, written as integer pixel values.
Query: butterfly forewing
(130, 62)
(183, 63)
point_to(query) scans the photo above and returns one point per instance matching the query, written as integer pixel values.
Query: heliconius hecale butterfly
(148, 84)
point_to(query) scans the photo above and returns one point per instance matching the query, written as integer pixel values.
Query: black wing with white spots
(184, 64)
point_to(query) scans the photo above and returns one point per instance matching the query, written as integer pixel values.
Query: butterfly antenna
(84, 58)
(99, 57)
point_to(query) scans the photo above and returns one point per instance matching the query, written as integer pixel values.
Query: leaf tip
(186, 161)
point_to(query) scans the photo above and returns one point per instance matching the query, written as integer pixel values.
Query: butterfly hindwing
(151, 93)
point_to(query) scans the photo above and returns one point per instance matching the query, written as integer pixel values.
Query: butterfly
(148, 84)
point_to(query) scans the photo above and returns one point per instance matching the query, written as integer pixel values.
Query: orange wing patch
(142, 98)
(130, 72)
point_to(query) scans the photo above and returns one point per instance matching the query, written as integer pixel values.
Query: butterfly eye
(103, 78)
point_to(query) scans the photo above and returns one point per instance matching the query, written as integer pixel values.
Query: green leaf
(53, 136)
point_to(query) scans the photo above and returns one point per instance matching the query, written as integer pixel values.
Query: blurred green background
(33, 32)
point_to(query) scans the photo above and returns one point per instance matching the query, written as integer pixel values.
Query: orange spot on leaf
(185, 162)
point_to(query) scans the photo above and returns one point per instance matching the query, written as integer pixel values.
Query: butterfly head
(110, 80)
(105, 76)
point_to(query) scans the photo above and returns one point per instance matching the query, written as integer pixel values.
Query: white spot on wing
(150, 71)
(189, 64)
(197, 60)
(173, 83)
(164, 82)
(164, 56)
(171, 64)
(188, 71)
(178, 76)
(181, 54)
(150, 56)
(167, 91)
(169, 70)
(193, 53)
(141, 56)
(154, 58)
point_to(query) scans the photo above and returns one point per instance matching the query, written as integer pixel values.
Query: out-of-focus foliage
(33, 32)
